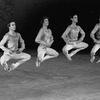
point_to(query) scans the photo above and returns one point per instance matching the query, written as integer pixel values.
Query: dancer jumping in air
(95, 35)
(11, 51)
(72, 40)
(45, 40)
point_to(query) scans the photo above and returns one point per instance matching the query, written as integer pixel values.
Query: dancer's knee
(27, 57)
(2, 60)
(64, 50)
(92, 53)
(57, 54)
(86, 45)
(41, 56)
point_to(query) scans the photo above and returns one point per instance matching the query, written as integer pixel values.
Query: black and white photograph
(49, 50)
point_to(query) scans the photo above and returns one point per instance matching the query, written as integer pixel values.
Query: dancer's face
(12, 26)
(75, 19)
(46, 22)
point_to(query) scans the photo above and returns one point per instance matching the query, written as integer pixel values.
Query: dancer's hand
(9, 51)
(97, 41)
(19, 51)
(67, 41)
(77, 42)
(49, 43)
(43, 43)
(70, 43)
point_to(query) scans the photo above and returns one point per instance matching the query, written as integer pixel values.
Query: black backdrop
(28, 13)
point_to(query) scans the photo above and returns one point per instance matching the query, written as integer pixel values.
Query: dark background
(28, 14)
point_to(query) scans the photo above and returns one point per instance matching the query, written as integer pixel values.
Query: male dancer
(45, 39)
(95, 35)
(70, 36)
(11, 51)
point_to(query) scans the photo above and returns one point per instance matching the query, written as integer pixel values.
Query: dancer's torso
(12, 42)
(74, 32)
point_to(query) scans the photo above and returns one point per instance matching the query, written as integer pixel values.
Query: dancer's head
(45, 21)
(75, 19)
(12, 26)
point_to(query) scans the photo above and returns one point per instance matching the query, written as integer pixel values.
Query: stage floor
(55, 79)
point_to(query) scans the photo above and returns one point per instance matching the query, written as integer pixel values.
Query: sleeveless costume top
(73, 34)
(12, 42)
(46, 36)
